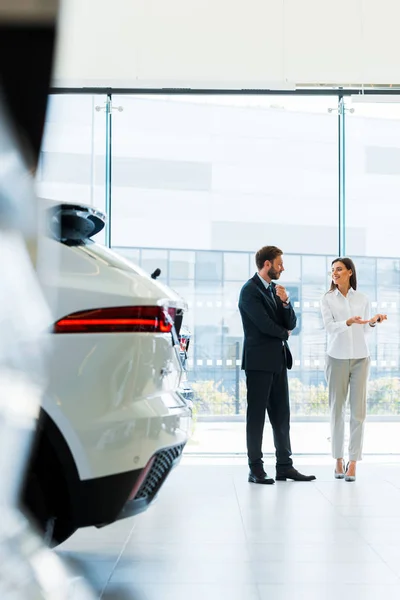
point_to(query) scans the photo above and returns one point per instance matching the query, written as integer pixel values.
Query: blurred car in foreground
(113, 422)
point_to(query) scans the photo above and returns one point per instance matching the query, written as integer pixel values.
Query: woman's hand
(379, 318)
(356, 321)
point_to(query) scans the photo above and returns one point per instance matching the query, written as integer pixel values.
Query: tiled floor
(213, 536)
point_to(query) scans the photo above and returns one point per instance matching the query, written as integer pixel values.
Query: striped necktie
(271, 295)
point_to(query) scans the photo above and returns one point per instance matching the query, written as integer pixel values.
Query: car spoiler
(74, 224)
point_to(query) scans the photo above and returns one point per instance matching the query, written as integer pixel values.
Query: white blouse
(346, 341)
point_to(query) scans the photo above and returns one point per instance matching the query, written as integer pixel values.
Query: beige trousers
(347, 377)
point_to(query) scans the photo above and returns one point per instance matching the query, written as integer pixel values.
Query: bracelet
(372, 324)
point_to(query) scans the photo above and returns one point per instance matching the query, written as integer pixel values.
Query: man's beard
(273, 274)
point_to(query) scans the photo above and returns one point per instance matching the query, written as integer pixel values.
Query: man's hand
(289, 332)
(356, 321)
(282, 293)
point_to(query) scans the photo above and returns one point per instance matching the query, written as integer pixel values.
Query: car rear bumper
(153, 477)
(103, 500)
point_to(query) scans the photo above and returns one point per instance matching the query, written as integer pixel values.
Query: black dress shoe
(260, 476)
(293, 473)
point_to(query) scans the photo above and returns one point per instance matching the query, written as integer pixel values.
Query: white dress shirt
(346, 341)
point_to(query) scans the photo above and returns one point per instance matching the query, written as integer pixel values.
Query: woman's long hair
(348, 263)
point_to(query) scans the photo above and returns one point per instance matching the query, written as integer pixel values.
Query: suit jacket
(265, 328)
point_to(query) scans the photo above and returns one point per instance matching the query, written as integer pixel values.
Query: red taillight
(123, 319)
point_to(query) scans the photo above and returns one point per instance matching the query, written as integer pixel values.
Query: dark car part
(75, 224)
(26, 59)
(51, 474)
(59, 502)
(154, 475)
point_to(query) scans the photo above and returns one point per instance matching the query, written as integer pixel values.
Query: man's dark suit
(266, 358)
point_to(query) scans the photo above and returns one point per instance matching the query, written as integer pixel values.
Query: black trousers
(269, 392)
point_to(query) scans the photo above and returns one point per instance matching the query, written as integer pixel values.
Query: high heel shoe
(339, 475)
(349, 477)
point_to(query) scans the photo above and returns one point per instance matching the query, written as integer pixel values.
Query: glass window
(236, 266)
(366, 272)
(209, 181)
(208, 267)
(372, 177)
(72, 159)
(155, 259)
(226, 173)
(372, 215)
(292, 264)
(181, 265)
(200, 183)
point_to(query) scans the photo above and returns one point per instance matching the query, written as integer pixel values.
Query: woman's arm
(367, 316)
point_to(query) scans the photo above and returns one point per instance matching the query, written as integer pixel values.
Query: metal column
(342, 180)
(108, 179)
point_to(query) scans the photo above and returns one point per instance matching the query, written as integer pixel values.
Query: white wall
(227, 43)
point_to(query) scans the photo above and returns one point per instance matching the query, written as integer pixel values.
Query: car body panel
(106, 412)
(114, 396)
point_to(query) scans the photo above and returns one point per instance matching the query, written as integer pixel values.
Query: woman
(347, 361)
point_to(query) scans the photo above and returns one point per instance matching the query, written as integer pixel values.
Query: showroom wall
(267, 44)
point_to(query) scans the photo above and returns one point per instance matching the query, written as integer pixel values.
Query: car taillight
(123, 319)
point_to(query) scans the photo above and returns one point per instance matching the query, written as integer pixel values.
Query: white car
(113, 422)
